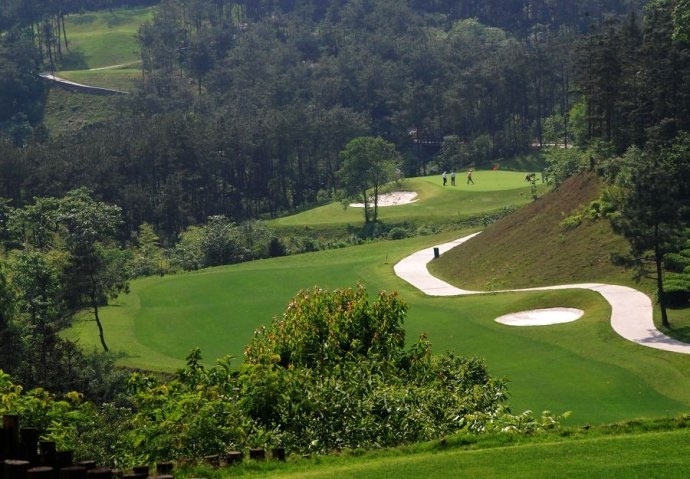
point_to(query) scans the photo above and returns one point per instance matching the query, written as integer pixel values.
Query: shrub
(676, 262)
(677, 289)
(323, 327)
(398, 233)
(571, 222)
(276, 248)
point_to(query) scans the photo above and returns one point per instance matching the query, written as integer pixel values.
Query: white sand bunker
(541, 317)
(391, 199)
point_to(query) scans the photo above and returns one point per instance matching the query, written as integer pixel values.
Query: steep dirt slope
(532, 247)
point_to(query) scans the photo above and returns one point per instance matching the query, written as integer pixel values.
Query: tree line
(244, 107)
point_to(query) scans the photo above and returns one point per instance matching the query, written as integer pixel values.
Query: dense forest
(244, 107)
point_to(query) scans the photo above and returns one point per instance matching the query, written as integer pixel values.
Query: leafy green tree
(12, 349)
(681, 21)
(652, 211)
(149, 256)
(368, 163)
(221, 242)
(95, 270)
(42, 311)
(323, 327)
(22, 94)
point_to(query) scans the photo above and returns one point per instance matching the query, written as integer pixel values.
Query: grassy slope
(96, 39)
(121, 78)
(104, 38)
(69, 112)
(646, 455)
(531, 248)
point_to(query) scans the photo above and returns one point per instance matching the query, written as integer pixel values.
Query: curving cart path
(631, 310)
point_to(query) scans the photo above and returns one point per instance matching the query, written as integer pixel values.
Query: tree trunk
(101, 336)
(366, 206)
(64, 31)
(94, 304)
(658, 259)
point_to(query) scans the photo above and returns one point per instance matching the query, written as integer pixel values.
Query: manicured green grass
(492, 191)
(582, 366)
(646, 455)
(104, 38)
(217, 309)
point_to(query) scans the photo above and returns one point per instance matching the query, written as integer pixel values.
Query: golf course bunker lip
(392, 199)
(541, 317)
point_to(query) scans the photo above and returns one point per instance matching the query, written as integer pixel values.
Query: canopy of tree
(244, 107)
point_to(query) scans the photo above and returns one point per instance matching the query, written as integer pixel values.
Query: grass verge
(643, 449)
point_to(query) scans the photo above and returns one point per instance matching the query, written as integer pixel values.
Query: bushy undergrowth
(221, 242)
(331, 373)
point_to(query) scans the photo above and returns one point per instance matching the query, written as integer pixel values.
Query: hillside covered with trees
(244, 108)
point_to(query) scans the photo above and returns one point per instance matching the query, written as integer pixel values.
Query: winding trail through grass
(631, 311)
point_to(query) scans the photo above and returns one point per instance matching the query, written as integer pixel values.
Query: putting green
(492, 191)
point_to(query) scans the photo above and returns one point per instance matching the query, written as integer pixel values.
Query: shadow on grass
(74, 60)
(82, 19)
(122, 16)
(681, 334)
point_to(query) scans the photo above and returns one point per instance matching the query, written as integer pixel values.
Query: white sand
(392, 199)
(541, 317)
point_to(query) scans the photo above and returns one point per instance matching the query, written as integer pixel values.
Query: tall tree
(42, 309)
(653, 209)
(95, 270)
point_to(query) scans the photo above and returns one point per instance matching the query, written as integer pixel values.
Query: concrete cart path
(631, 310)
(80, 87)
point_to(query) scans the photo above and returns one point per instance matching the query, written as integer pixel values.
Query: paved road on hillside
(80, 87)
(631, 310)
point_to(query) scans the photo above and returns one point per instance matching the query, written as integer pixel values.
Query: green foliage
(554, 130)
(321, 328)
(194, 415)
(187, 253)
(57, 418)
(221, 242)
(367, 164)
(22, 95)
(681, 20)
(570, 222)
(562, 164)
(333, 374)
(677, 289)
(676, 262)
(148, 257)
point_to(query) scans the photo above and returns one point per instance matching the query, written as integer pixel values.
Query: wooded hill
(244, 107)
